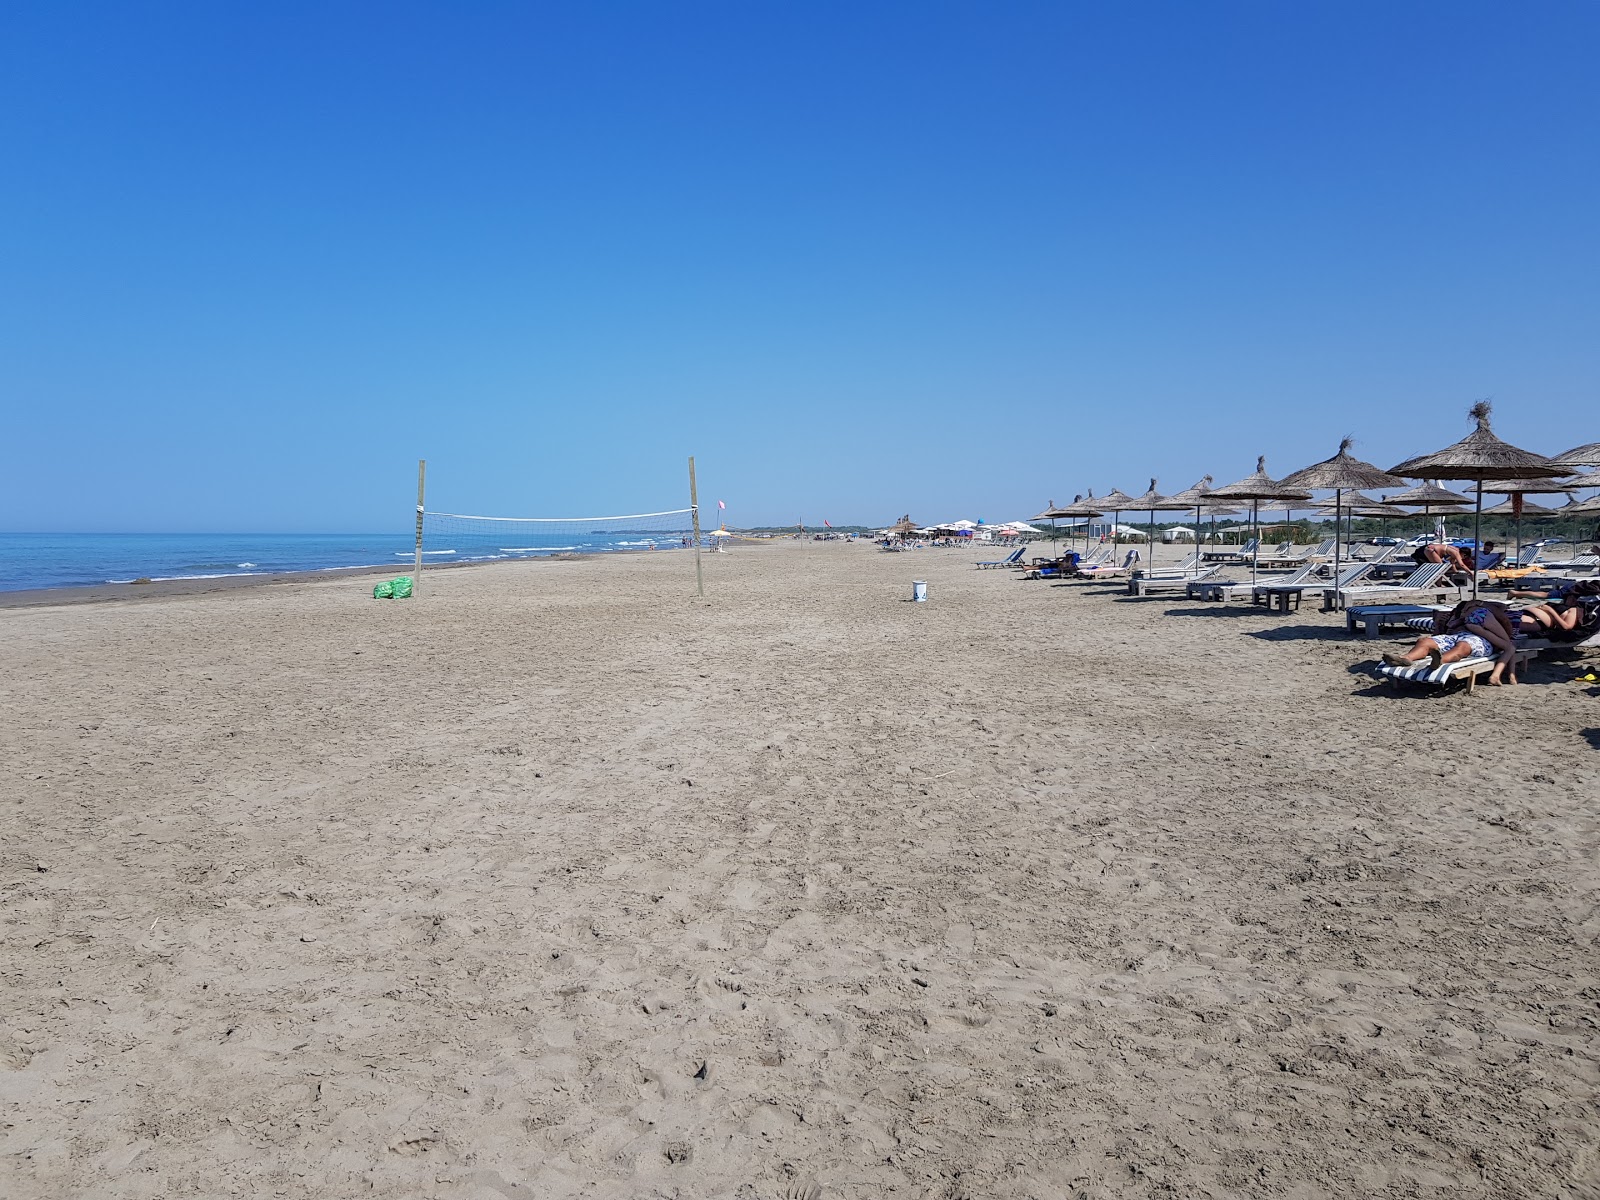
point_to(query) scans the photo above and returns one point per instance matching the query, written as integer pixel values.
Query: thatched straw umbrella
(1518, 506)
(1577, 510)
(1151, 503)
(1431, 498)
(1580, 456)
(1480, 457)
(1220, 508)
(904, 527)
(1339, 474)
(1510, 508)
(1086, 507)
(1194, 497)
(1050, 513)
(1256, 488)
(1380, 512)
(1114, 502)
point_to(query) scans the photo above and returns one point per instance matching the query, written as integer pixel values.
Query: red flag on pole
(827, 522)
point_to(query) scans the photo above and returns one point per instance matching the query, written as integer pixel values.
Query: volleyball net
(443, 538)
(459, 537)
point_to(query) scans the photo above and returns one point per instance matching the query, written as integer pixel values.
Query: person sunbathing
(1053, 568)
(1460, 562)
(1574, 616)
(1472, 629)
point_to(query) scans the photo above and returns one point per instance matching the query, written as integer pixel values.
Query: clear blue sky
(255, 260)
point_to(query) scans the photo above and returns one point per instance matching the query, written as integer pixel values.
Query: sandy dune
(558, 882)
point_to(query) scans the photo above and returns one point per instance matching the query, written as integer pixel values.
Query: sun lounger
(1579, 562)
(1180, 570)
(1109, 570)
(1213, 590)
(1287, 593)
(1147, 585)
(1320, 554)
(1374, 618)
(1097, 556)
(1384, 554)
(1234, 554)
(1468, 668)
(1012, 560)
(1430, 579)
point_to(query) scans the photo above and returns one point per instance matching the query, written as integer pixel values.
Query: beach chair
(1186, 567)
(1106, 570)
(1468, 668)
(1234, 554)
(1214, 590)
(1578, 562)
(1430, 579)
(1148, 585)
(1375, 618)
(1384, 555)
(1014, 559)
(1283, 594)
(1097, 556)
(1321, 553)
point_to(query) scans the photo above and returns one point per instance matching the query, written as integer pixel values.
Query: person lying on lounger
(1461, 562)
(1574, 615)
(1472, 629)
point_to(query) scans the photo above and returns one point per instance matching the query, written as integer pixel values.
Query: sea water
(53, 560)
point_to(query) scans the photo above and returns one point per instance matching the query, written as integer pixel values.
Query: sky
(955, 260)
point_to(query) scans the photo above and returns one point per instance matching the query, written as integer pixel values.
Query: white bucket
(919, 590)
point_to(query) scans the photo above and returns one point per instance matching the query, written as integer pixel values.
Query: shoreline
(107, 593)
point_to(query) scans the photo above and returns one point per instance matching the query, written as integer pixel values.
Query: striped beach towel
(1423, 673)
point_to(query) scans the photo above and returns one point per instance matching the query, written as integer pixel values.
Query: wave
(180, 578)
(244, 564)
(409, 553)
(535, 549)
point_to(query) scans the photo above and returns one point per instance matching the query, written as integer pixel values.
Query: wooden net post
(416, 569)
(694, 519)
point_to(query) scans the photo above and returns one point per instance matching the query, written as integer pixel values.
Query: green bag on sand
(383, 591)
(401, 587)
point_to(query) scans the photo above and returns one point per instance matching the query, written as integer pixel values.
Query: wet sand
(561, 882)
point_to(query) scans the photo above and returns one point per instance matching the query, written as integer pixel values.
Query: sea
(57, 560)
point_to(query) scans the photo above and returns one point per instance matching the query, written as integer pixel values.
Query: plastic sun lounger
(1286, 593)
(1147, 585)
(1012, 560)
(1234, 554)
(1526, 649)
(1578, 562)
(1318, 555)
(1373, 618)
(1214, 590)
(1180, 570)
(1384, 554)
(1468, 668)
(1096, 556)
(1430, 579)
(1109, 570)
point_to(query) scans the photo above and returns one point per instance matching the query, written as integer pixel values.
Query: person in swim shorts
(1473, 629)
